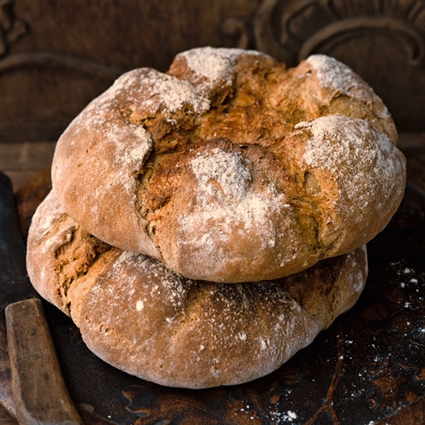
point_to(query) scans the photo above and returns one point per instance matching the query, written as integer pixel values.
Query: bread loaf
(143, 318)
(231, 167)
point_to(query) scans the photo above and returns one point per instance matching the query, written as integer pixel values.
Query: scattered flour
(363, 162)
(47, 214)
(357, 281)
(133, 153)
(233, 202)
(334, 74)
(213, 65)
(339, 77)
(228, 169)
(149, 89)
(284, 417)
(225, 203)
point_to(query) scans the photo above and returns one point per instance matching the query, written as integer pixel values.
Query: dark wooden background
(55, 56)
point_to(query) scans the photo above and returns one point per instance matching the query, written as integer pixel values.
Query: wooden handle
(39, 391)
(5, 419)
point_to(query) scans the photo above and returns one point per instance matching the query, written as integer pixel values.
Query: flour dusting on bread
(214, 65)
(211, 157)
(338, 77)
(340, 143)
(138, 315)
(227, 169)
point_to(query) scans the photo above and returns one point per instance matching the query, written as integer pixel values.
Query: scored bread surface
(231, 167)
(143, 318)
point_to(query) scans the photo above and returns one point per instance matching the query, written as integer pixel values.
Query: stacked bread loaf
(208, 222)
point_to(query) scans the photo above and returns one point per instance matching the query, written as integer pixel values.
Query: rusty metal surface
(367, 368)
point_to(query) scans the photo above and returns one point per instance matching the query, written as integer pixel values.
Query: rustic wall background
(55, 56)
(58, 55)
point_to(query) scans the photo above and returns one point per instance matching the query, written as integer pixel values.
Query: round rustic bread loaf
(231, 167)
(141, 317)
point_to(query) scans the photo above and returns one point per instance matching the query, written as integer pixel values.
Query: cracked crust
(147, 166)
(141, 317)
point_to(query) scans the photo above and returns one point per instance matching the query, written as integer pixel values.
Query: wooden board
(368, 367)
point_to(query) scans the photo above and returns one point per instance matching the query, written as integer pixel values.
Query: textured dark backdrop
(55, 56)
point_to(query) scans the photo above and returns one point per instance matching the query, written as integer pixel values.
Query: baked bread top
(139, 316)
(231, 167)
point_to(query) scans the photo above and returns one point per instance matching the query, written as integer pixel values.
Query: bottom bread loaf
(146, 320)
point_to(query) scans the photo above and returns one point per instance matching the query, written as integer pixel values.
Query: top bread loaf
(231, 167)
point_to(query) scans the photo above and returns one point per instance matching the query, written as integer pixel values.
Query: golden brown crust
(232, 168)
(141, 317)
